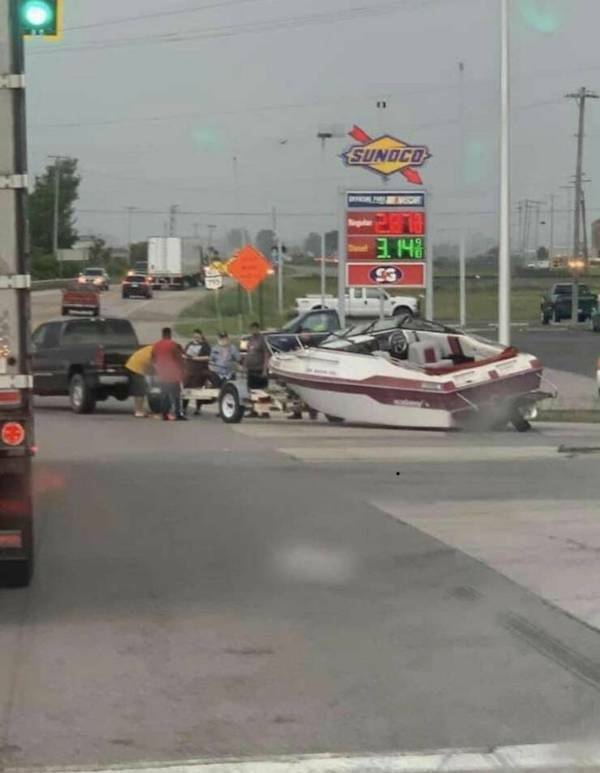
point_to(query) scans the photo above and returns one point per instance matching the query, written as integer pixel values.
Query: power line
(270, 25)
(160, 14)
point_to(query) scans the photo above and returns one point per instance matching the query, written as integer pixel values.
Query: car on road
(95, 276)
(136, 286)
(83, 359)
(80, 298)
(558, 303)
(363, 302)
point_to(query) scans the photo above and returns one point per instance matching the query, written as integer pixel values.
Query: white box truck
(174, 262)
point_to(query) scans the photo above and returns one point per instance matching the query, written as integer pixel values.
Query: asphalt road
(148, 316)
(206, 591)
(576, 351)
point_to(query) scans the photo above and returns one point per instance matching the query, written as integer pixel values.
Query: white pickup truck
(362, 302)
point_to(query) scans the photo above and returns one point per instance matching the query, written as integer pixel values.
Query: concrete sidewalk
(575, 392)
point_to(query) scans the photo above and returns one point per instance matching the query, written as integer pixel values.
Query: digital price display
(400, 223)
(385, 234)
(400, 248)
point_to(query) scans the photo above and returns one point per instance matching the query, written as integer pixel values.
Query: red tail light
(13, 433)
(100, 359)
(10, 397)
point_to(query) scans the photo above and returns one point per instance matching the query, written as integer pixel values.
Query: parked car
(95, 276)
(311, 328)
(76, 297)
(136, 285)
(558, 303)
(363, 302)
(84, 359)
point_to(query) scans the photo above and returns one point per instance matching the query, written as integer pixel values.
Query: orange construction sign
(249, 267)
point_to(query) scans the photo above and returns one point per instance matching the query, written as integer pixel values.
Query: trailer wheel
(230, 408)
(83, 399)
(334, 419)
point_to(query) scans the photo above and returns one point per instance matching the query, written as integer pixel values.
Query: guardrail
(49, 284)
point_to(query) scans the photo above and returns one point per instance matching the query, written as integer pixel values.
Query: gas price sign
(386, 230)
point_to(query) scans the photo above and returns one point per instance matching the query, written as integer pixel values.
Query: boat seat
(428, 353)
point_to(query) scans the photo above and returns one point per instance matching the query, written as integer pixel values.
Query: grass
(236, 310)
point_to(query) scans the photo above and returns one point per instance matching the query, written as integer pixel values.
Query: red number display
(400, 223)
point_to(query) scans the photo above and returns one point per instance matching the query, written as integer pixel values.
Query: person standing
(167, 358)
(196, 355)
(139, 366)
(224, 358)
(257, 359)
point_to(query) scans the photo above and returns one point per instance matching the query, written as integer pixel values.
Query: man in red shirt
(167, 358)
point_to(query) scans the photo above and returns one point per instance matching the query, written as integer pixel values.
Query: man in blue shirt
(223, 360)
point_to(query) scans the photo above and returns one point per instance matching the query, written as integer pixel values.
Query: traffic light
(41, 18)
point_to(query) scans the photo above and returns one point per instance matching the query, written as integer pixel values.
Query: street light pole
(462, 247)
(504, 242)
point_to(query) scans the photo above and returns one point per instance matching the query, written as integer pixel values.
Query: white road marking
(543, 758)
(394, 454)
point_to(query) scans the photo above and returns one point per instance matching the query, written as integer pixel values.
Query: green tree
(41, 206)
(139, 252)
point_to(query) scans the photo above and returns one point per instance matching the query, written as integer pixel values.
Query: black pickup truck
(558, 303)
(84, 359)
(310, 328)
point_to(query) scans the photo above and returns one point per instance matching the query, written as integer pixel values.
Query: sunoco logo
(386, 155)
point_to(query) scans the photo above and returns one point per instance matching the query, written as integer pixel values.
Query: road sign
(249, 267)
(385, 230)
(213, 281)
(386, 275)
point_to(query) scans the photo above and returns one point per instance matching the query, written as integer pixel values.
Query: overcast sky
(156, 106)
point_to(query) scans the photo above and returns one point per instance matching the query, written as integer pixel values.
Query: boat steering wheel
(398, 345)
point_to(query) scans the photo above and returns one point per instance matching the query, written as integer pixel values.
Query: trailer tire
(82, 397)
(334, 419)
(544, 318)
(231, 409)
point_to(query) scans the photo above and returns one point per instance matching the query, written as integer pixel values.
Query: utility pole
(504, 240)
(581, 96)
(55, 217)
(586, 253)
(551, 250)
(279, 264)
(130, 211)
(173, 209)
(462, 245)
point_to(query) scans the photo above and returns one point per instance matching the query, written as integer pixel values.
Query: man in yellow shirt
(139, 366)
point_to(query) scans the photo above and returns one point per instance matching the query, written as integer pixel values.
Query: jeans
(170, 398)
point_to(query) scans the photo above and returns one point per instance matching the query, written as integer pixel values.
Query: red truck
(78, 297)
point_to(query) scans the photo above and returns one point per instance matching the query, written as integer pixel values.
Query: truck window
(119, 331)
(317, 323)
(81, 331)
(373, 293)
(47, 336)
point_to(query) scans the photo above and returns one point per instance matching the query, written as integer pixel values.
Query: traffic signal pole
(16, 517)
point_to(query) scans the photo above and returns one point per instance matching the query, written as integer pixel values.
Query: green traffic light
(37, 14)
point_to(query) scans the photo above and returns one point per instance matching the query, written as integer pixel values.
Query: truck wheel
(83, 399)
(122, 393)
(403, 311)
(555, 316)
(544, 318)
(230, 408)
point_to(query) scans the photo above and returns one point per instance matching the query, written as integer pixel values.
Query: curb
(573, 415)
(545, 758)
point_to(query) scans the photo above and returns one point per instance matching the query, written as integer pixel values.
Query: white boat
(415, 373)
